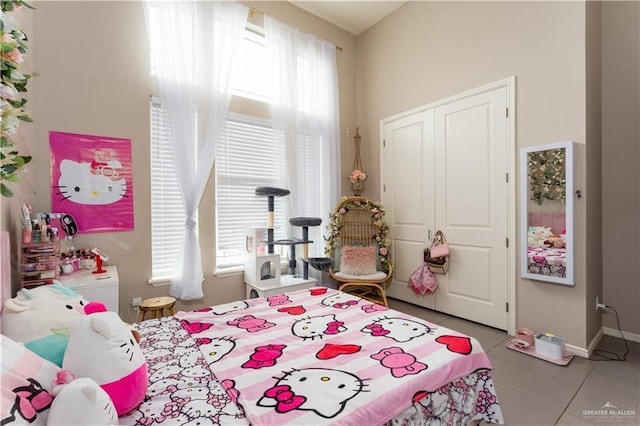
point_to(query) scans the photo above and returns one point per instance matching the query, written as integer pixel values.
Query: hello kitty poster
(92, 180)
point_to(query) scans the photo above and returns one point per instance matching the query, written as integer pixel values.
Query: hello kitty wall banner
(92, 180)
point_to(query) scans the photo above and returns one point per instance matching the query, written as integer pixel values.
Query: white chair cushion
(379, 275)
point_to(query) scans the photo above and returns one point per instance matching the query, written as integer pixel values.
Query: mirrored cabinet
(547, 209)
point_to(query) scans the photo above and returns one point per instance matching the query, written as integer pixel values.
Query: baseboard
(604, 331)
(632, 337)
(594, 342)
(578, 351)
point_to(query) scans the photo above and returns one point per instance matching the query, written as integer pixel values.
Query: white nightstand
(96, 287)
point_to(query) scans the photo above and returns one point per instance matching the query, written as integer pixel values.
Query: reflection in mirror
(547, 213)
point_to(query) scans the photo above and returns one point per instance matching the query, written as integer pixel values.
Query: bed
(313, 356)
(544, 258)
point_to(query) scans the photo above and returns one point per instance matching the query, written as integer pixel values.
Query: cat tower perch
(262, 274)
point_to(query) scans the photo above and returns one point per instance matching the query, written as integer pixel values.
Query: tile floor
(537, 393)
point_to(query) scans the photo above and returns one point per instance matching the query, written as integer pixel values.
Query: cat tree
(262, 274)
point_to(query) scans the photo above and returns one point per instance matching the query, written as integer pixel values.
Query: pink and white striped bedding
(319, 356)
(547, 261)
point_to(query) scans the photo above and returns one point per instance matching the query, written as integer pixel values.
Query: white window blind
(167, 212)
(249, 156)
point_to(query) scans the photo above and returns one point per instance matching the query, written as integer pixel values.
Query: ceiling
(352, 16)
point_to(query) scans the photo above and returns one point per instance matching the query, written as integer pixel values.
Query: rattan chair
(357, 224)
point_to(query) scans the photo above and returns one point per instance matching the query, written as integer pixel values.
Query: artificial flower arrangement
(546, 175)
(377, 217)
(357, 176)
(12, 111)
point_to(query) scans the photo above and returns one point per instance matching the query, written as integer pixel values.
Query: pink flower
(383, 251)
(7, 92)
(357, 175)
(14, 56)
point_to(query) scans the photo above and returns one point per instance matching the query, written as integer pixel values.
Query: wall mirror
(547, 196)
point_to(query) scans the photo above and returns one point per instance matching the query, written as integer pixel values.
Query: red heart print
(318, 291)
(419, 395)
(331, 351)
(293, 310)
(457, 344)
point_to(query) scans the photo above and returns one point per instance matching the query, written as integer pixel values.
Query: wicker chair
(357, 227)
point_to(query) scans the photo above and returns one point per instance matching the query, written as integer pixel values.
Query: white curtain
(306, 109)
(192, 49)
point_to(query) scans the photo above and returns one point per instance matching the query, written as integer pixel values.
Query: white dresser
(96, 287)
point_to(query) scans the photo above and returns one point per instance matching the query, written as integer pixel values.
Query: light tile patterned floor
(533, 392)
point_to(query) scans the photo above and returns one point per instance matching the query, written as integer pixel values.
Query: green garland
(547, 180)
(12, 111)
(377, 218)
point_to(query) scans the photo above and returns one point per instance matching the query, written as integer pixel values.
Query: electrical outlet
(136, 301)
(598, 304)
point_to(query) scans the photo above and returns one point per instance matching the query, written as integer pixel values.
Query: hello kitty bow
(107, 170)
(286, 399)
(376, 330)
(345, 305)
(333, 327)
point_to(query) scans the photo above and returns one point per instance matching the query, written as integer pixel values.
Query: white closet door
(407, 176)
(471, 205)
(445, 166)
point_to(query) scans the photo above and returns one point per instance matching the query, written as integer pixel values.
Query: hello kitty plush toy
(42, 318)
(80, 402)
(103, 348)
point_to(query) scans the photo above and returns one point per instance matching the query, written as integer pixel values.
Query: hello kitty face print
(340, 301)
(216, 348)
(322, 390)
(317, 327)
(92, 180)
(229, 307)
(91, 183)
(398, 329)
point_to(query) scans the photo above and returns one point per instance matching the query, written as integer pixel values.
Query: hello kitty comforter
(320, 356)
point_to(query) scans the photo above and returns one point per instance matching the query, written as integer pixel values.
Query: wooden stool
(156, 306)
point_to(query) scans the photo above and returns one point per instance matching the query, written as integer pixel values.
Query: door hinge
(507, 306)
(506, 112)
(384, 188)
(384, 143)
(507, 241)
(506, 175)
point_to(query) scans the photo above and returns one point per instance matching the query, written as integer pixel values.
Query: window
(249, 156)
(252, 74)
(167, 213)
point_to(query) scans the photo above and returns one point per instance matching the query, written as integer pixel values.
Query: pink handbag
(439, 246)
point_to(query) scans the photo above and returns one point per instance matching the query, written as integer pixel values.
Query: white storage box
(549, 346)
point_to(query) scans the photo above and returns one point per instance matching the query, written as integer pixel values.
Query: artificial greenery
(547, 179)
(12, 105)
(377, 218)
